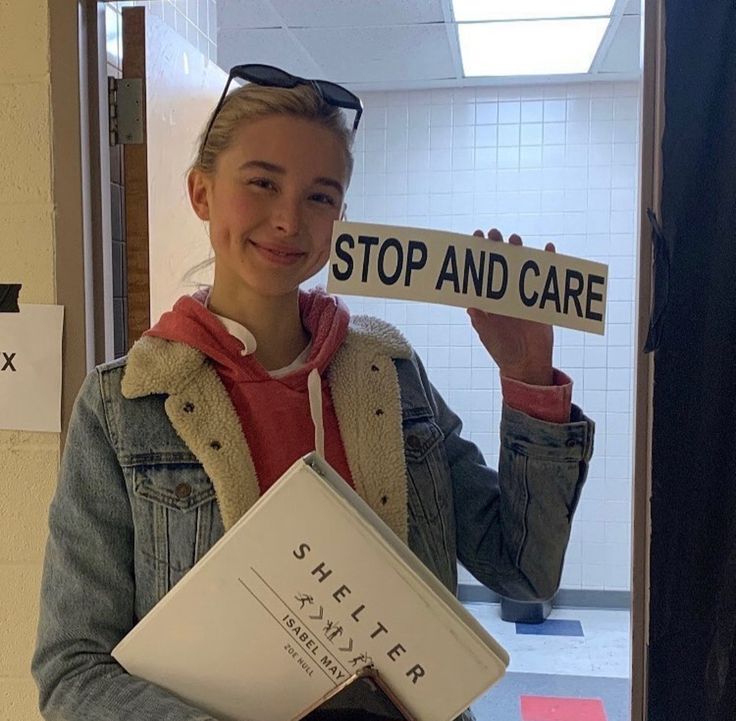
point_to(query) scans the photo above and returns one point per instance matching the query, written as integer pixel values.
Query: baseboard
(564, 598)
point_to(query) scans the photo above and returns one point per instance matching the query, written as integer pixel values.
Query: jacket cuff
(545, 403)
(556, 441)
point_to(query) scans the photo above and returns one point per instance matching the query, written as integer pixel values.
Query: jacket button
(188, 407)
(384, 500)
(413, 442)
(375, 368)
(183, 490)
(216, 445)
(571, 443)
(379, 411)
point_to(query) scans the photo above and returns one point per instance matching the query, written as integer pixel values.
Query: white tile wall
(553, 163)
(194, 20)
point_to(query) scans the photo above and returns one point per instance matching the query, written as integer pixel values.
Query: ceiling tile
(269, 46)
(246, 14)
(374, 44)
(344, 13)
(623, 53)
(390, 55)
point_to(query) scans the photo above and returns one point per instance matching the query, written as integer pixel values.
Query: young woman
(168, 447)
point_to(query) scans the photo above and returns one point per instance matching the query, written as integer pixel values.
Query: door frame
(98, 207)
(650, 190)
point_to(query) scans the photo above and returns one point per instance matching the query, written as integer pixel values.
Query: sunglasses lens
(337, 95)
(267, 75)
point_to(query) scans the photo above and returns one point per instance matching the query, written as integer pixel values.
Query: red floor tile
(551, 708)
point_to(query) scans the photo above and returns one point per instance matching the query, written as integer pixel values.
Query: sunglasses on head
(268, 75)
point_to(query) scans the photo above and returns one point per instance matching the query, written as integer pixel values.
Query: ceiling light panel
(494, 10)
(530, 47)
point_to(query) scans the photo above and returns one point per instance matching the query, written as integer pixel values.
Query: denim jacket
(156, 468)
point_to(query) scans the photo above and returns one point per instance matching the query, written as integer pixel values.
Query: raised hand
(522, 349)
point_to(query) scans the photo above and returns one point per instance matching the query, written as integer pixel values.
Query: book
(309, 586)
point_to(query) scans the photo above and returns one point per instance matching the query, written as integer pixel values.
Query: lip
(279, 255)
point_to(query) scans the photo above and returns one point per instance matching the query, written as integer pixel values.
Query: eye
(324, 198)
(264, 183)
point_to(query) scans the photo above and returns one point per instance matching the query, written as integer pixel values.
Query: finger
(550, 247)
(476, 317)
(515, 239)
(495, 234)
(476, 314)
(478, 233)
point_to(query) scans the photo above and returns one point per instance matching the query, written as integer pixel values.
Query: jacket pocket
(176, 520)
(429, 495)
(429, 474)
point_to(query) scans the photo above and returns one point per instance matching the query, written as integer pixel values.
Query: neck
(274, 321)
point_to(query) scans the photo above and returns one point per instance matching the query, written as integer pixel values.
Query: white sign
(30, 368)
(463, 270)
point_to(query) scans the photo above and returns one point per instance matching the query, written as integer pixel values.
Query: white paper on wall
(30, 368)
(462, 270)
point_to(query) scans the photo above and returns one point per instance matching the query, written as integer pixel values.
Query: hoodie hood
(324, 316)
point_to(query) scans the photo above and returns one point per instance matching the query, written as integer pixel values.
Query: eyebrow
(273, 168)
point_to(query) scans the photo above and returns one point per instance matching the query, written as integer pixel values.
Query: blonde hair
(252, 102)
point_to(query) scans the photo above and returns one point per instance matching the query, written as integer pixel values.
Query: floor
(573, 667)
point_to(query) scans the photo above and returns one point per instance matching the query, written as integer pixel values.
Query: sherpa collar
(157, 366)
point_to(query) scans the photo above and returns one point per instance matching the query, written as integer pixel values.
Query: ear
(344, 212)
(198, 185)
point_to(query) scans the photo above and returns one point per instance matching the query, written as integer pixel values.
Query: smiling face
(270, 203)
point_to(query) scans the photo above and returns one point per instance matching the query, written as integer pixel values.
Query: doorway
(554, 158)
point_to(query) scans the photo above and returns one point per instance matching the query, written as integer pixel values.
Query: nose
(286, 215)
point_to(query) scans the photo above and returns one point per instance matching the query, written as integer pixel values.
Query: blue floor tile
(551, 627)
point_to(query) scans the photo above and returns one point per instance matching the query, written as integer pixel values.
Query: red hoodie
(274, 412)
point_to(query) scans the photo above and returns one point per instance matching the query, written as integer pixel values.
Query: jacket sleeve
(513, 525)
(88, 589)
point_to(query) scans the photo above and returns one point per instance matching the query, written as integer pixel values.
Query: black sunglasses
(268, 75)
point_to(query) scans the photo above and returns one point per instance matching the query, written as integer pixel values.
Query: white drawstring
(314, 386)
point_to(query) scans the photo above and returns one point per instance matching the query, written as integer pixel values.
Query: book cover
(305, 589)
